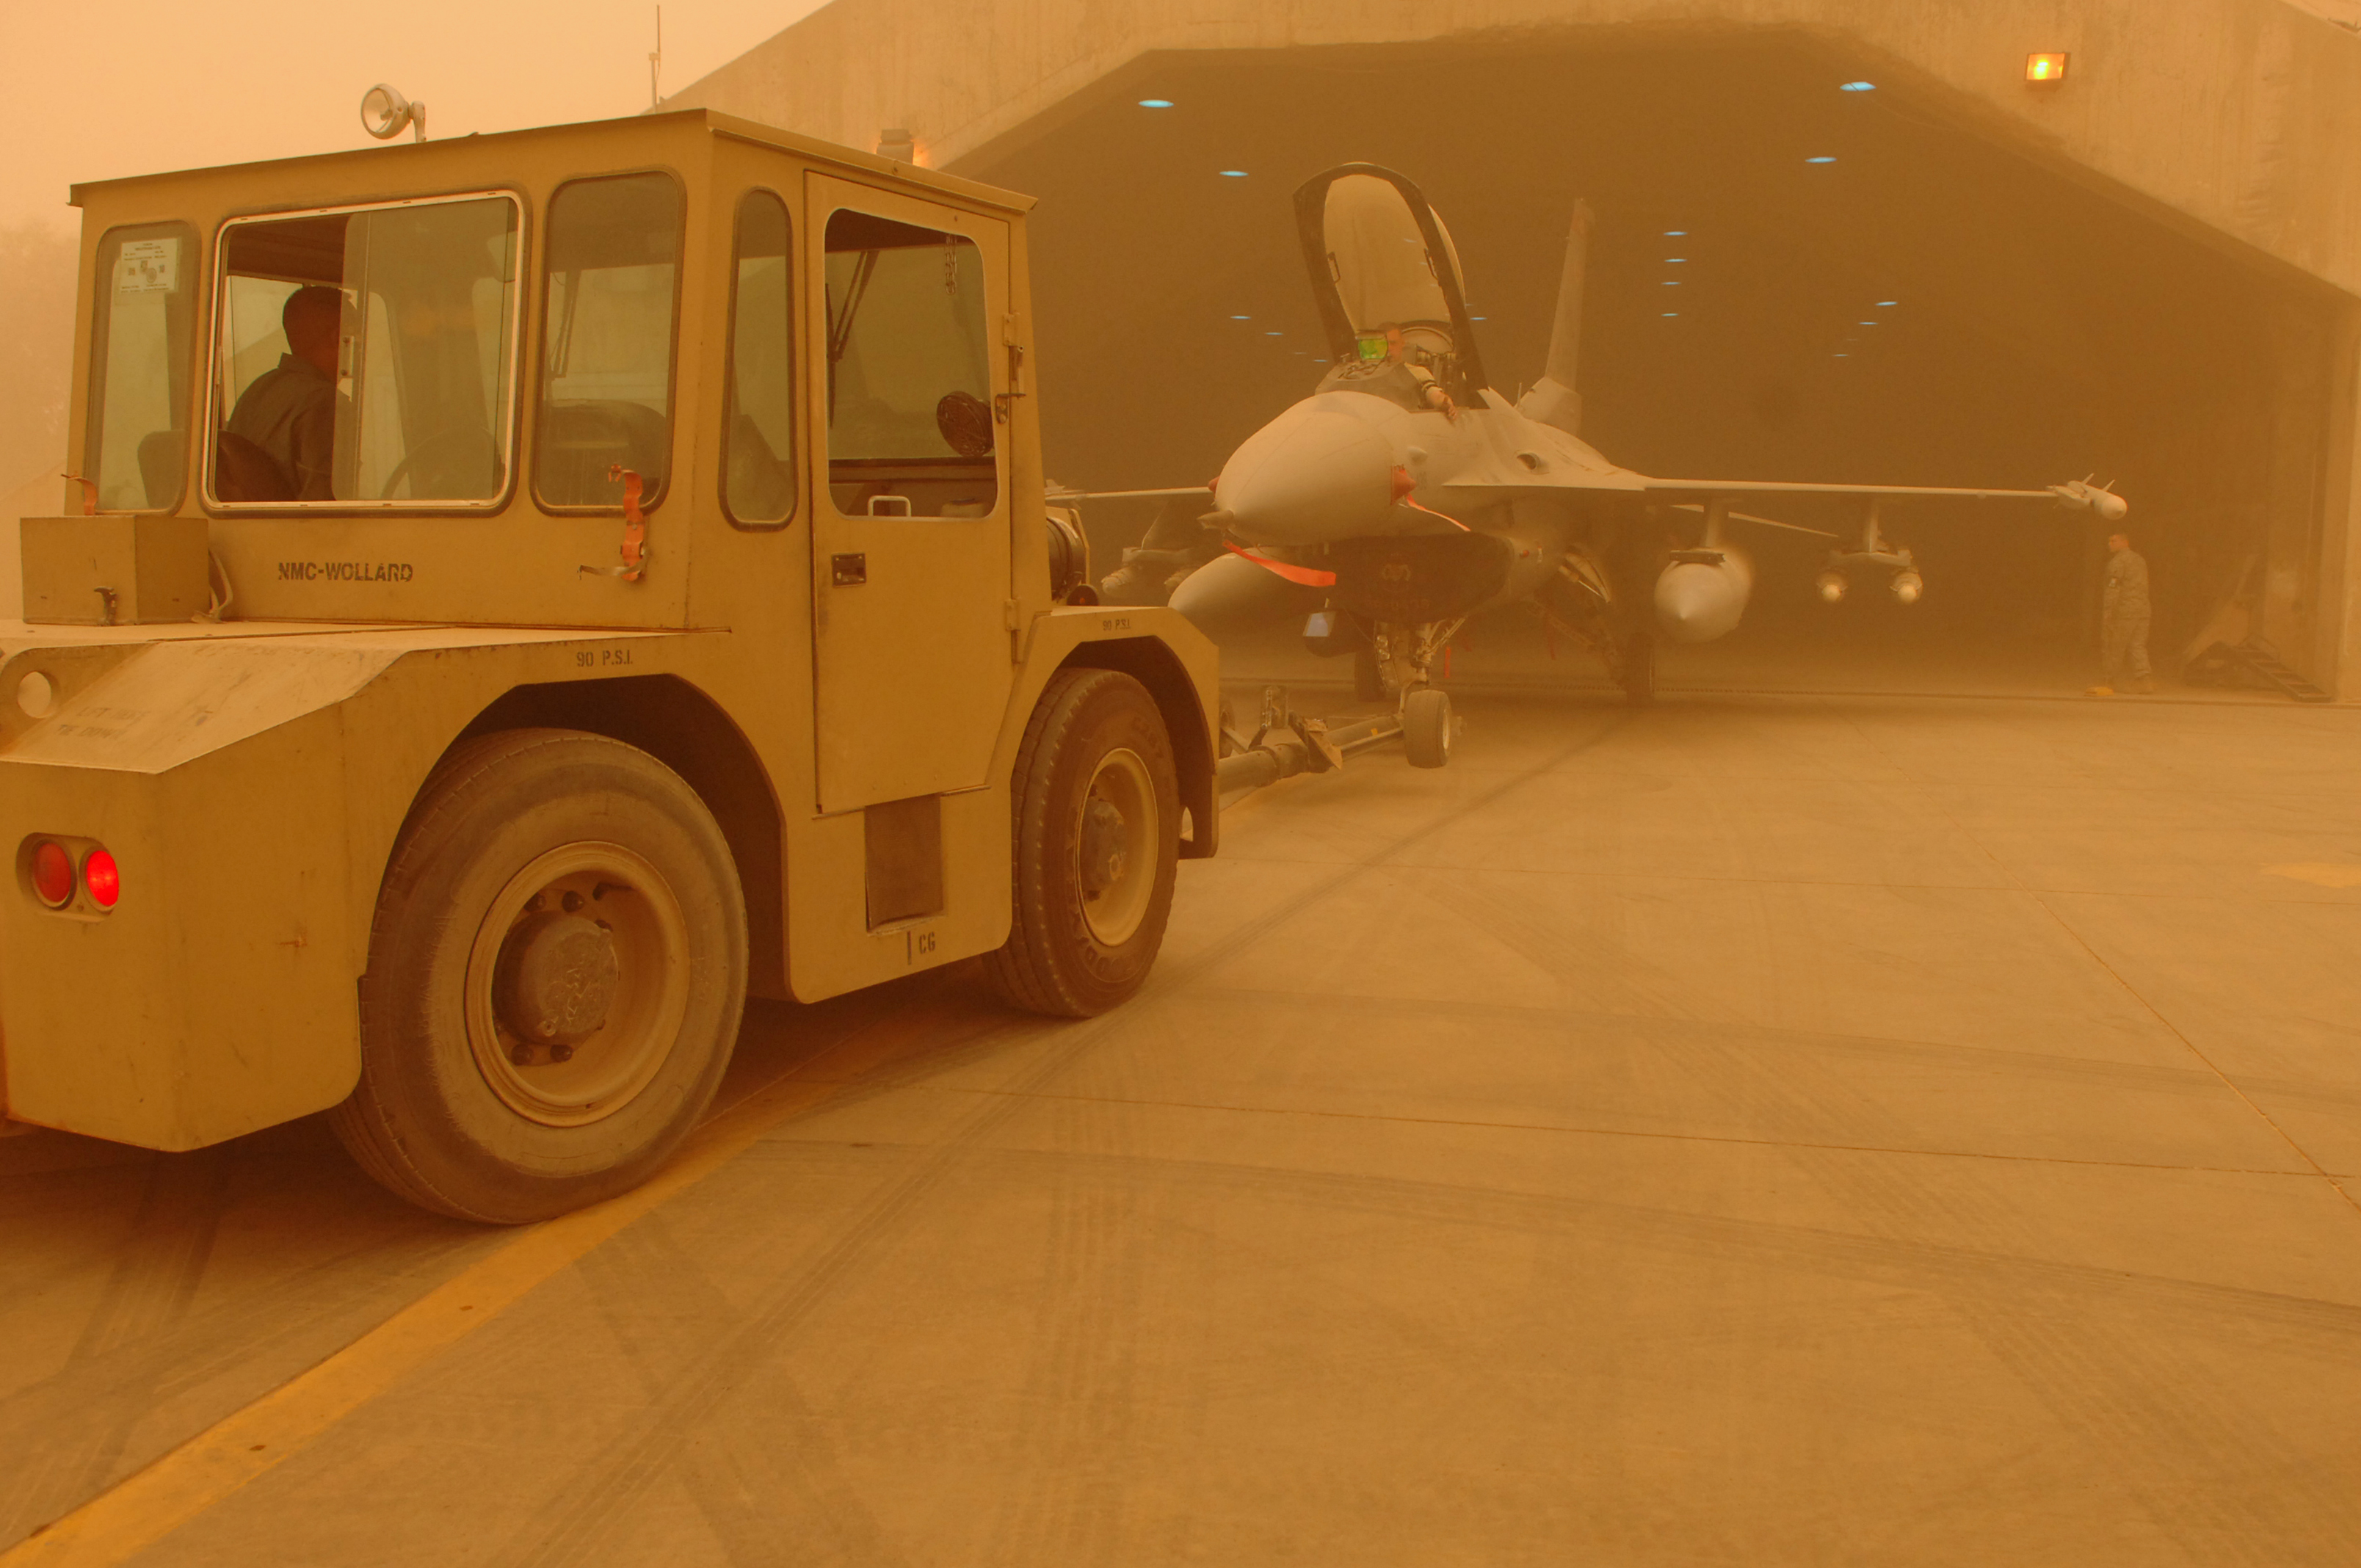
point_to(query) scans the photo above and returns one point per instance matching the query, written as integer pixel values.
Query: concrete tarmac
(1757, 1130)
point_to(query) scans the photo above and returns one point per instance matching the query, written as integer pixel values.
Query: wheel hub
(577, 983)
(558, 977)
(1115, 847)
(1103, 853)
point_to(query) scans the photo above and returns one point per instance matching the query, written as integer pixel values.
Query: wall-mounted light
(2045, 68)
(897, 144)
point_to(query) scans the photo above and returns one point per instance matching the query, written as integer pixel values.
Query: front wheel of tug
(1096, 845)
(556, 973)
(1426, 727)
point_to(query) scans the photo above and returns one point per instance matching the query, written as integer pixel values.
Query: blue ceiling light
(1274, 334)
(1887, 304)
(1156, 102)
(1820, 159)
(1676, 234)
(1234, 173)
(1670, 314)
(1242, 318)
(1675, 260)
(1671, 282)
(1858, 87)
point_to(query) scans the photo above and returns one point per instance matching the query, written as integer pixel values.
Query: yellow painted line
(249, 1444)
(2320, 875)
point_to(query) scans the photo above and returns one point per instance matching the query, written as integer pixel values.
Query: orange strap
(1310, 576)
(1406, 494)
(635, 524)
(89, 493)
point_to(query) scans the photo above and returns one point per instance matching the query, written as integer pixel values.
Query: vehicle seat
(159, 466)
(244, 472)
(581, 440)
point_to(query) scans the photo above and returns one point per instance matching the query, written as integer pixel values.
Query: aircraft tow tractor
(520, 595)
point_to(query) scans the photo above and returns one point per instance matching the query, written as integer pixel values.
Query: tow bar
(1286, 743)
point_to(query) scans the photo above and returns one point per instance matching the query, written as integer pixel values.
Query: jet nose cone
(1313, 473)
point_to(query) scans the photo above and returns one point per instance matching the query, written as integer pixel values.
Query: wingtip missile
(2084, 495)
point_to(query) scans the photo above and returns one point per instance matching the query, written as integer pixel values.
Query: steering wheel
(452, 437)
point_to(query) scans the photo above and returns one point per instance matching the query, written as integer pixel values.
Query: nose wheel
(1426, 727)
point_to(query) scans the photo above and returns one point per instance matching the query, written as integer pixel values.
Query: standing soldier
(2122, 621)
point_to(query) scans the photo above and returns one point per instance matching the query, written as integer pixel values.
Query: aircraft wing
(1767, 522)
(2077, 493)
(1788, 488)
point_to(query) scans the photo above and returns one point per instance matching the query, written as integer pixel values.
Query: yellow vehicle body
(251, 774)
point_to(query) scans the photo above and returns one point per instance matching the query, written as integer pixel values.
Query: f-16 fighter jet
(1405, 495)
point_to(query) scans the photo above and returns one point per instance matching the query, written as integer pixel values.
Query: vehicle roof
(666, 122)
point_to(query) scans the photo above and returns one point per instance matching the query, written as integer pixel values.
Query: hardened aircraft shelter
(1836, 239)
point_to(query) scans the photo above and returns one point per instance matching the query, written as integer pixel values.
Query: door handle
(848, 570)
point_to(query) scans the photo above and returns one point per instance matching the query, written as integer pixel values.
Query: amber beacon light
(2045, 68)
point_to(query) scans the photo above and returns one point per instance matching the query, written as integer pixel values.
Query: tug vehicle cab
(518, 596)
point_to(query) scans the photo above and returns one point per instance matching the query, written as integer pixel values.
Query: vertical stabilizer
(1553, 400)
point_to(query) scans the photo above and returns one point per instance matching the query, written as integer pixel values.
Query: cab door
(911, 527)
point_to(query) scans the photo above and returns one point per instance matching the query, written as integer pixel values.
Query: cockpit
(1388, 281)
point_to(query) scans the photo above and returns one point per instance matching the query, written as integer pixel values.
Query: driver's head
(2119, 541)
(309, 319)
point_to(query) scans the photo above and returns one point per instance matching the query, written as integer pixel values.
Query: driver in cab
(289, 413)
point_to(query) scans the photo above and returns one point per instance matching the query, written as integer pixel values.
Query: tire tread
(1024, 970)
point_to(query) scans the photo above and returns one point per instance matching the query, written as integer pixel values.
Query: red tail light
(53, 873)
(103, 878)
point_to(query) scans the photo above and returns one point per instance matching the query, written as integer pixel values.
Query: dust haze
(187, 86)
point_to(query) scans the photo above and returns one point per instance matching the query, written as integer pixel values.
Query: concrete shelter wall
(2243, 115)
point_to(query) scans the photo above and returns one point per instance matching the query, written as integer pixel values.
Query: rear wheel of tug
(1426, 727)
(556, 973)
(1096, 843)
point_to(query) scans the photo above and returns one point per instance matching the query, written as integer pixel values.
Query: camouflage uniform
(2122, 625)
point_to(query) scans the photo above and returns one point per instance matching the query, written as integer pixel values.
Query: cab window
(758, 441)
(367, 357)
(609, 275)
(142, 322)
(909, 377)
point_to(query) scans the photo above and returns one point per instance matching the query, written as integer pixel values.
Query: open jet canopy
(1387, 276)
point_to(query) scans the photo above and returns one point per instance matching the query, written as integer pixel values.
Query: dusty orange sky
(134, 86)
